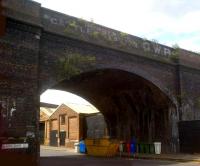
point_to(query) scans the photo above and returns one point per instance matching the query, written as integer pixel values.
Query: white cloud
(168, 21)
(193, 43)
(58, 97)
(153, 19)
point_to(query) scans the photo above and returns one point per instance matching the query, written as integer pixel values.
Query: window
(62, 119)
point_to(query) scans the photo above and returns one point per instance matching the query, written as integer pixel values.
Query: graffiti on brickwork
(15, 66)
(7, 113)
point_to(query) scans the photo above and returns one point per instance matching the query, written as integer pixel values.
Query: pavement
(56, 148)
(170, 157)
(47, 151)
(94, 161)
(167, 157)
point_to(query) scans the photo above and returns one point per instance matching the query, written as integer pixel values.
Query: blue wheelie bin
(133, 146)
(82, 147)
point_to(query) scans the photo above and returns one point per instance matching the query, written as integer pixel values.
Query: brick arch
(156, 82)
(158, 72)
(104, 90)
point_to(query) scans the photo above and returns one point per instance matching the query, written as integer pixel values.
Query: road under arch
(131, 105)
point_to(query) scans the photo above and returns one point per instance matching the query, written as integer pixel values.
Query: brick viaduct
(121, 74)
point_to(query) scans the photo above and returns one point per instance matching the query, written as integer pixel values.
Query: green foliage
(175, 53)
(71, 64)
(95, 34)
(144, 38)
(81, 20)
(154, 41)
(73, 24)
(175, 46)
(71, 28)
(123, 35)
(197, 102)
(101, 36)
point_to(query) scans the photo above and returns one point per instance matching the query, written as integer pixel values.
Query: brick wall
(72, 126)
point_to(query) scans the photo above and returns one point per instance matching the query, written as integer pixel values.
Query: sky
(167, 21)
(58, 97)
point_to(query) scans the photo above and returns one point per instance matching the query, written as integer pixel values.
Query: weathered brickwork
(73, 126)
(37, 39)
(19, 49)
(190, 88)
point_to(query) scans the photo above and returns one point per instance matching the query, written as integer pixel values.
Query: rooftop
(82, 108)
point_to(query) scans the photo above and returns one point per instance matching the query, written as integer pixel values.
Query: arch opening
(132, 106)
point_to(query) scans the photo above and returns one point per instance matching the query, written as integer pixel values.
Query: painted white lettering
(157, 48)
(89, 28)
(104, 33)
(46, 16)
(81, 29)
(167, 52)
(133, 43)
(114, 36)
(146, 46)
(54, 21)
(61, 22)
(98, 29)
(109, 37)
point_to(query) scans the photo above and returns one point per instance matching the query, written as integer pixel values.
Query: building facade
(66, 125)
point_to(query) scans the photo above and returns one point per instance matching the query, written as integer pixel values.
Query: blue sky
(167, 21)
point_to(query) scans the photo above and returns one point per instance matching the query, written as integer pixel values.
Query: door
(73, 128)
(53, 138)
(62, 138)
(189, 135)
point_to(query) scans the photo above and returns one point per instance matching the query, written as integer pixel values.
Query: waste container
(146, 148)
(82, 147)
(157, 146)
(133, 147)
(128, 148)
(151, 148)
(76, 147)
(121, 148)
(141, 148)
(102, 147)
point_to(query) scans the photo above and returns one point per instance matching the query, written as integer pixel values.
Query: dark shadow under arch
(132, 106)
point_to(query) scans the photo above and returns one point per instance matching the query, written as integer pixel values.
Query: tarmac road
(61, 157)
(90, 161)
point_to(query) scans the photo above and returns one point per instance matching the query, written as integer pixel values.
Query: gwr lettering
(146, 46)
(167, 52)
(113, 36)
(157, 48)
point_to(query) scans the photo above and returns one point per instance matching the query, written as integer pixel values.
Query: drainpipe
(178, 90)
(179, 100)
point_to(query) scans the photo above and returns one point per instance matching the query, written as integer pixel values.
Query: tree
(72, 63)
